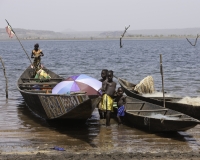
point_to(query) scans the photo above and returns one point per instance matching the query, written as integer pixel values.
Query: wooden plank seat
(36, 91)
(39, 78)
(39, 83)
(135, 102)
(31, 69)
(154, 110)
(28, 80)
(27, 87)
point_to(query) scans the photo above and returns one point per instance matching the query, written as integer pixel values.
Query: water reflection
(58, 131)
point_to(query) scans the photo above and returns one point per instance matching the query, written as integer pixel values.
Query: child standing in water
(102, 114)
(108, 89)
(121, 100)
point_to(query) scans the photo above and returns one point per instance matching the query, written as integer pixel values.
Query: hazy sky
(100, 15)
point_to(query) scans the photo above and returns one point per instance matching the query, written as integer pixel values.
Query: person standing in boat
(102, 114)
(120, 99)
(108, 90)
(36, 54)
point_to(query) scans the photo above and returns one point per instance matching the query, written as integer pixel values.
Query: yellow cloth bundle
(41, 74)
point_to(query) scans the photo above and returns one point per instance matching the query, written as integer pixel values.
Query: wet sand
(26, 136)
(103, 156)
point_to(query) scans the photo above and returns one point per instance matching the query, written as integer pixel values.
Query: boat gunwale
(177, 120)
(120, 80)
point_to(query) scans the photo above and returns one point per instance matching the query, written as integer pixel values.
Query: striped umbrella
(78, 83)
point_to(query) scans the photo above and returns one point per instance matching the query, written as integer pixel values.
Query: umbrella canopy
(77, 83)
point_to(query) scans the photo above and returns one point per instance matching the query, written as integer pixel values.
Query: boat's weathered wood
(168, 98)
(154, 110)
(42, 79)
(33, 88)
(141, 108)
(40, 83)
(175, 115)
(186, 118)
(36, 91)
(135, 103)
(44, 91)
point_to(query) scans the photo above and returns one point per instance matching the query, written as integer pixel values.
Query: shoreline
(99, 39)
(102, 155)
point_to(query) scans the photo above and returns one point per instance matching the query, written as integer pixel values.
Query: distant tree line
(161, 35)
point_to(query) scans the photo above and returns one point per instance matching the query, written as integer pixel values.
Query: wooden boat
(154, 118)
(38, 97)
(170, 102)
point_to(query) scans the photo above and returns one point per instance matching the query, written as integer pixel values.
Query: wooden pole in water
(161, 72)
(4, 71)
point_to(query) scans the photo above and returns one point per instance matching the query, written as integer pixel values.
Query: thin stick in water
(4, 71)
(161, 72)
(195, 40)
(123, 36)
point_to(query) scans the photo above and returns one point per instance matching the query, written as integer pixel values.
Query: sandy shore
(60, 155)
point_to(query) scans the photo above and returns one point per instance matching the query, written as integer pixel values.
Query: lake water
(137, 59)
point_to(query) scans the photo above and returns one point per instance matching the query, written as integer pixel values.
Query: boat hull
(158, 125)
(76, 106)
(154, 118)
(60, 106)
(193, 111)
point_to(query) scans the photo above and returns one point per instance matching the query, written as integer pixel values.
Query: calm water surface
(20, 128)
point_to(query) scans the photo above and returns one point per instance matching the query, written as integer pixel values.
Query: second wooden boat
(171, 102)
(154, 118)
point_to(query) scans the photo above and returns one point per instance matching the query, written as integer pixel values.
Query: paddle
(161, 72)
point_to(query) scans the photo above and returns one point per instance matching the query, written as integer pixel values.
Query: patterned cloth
(37, 59)
(107, 103)
(36, 63)
(146, 85)
(120, 111)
